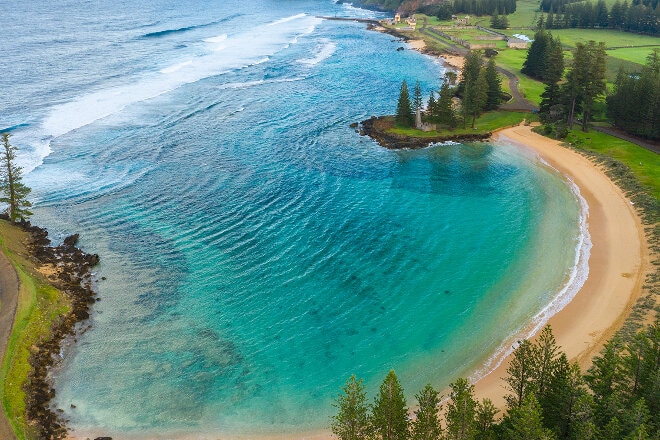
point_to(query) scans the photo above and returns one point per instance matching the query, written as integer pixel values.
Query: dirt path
(8, 301)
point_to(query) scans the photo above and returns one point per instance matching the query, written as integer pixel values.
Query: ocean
(255, 250)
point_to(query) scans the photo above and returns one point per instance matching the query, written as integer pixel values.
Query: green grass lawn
(512, 60)
(612, 38)
(644, 164)
(526, 15)
(485, 123)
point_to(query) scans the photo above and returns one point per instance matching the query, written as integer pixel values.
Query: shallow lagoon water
(257, 251)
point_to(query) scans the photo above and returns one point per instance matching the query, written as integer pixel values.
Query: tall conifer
(404, 113)
(426, 425)
(352, 419)
(390, 414)
(14, 192)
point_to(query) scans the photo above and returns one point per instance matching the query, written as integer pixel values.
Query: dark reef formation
(378, 128)
(73, 277)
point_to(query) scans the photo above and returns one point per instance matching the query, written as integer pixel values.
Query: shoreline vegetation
(619, 296)
(53, 301)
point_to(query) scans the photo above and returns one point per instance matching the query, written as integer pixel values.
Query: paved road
(517, 103)
(8, 301)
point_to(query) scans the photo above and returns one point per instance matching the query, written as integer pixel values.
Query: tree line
(442, 9)
(633, 105)
(564, 100)
(480, 89)
(639, 17)
(484, 7)
(548, 398)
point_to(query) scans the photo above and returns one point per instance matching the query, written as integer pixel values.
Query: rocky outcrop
(378, 128)
(70, 272)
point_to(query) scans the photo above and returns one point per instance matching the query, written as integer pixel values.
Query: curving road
(517, 103)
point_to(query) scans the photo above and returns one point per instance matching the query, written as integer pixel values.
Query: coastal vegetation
(55, 295)
(11, 183)
(548, 397)
(634, 105)
(480, 89)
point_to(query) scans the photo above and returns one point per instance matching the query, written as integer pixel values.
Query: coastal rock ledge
(68, 269)
(377, 128)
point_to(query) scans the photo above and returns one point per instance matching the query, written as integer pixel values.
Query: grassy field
(484, 124)
(636, 55)
(38, 305)
(612, 38)
(526, 14)
(512, 60)
(644, 164)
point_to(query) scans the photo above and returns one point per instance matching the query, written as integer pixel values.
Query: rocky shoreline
(69, 270)
(378, 128)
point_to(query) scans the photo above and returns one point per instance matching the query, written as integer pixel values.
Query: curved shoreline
(619, 260)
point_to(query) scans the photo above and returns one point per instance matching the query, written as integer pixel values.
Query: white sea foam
(576, 279)
(218, 39)
(251, 47)
(287, 19)
(324, 52)
(176, 67)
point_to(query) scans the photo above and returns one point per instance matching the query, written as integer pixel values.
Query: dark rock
(72, 279)
(71, 240)
(377, 129)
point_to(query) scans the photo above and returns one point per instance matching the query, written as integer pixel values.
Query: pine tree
(494, 92)
(561, 396)
(404, 113)
(444, 109)
(14, 192)
(526, 422)
(553, 74)
(461, 411)
(389, 414)
(595, 85)
(426, 425)
(474, 86)
(520, 374)
(431, 107)
(583, 427)
(352, 419)
(417, 98)
(545, 354)
(485, 421)
(605, 379)
(536, 62)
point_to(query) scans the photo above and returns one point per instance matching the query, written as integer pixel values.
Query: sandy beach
(617, 266)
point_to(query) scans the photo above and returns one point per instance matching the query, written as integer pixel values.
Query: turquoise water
(256, 250)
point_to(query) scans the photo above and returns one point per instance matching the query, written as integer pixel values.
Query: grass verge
(485, 123)
(39, 304)
(643, 164)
